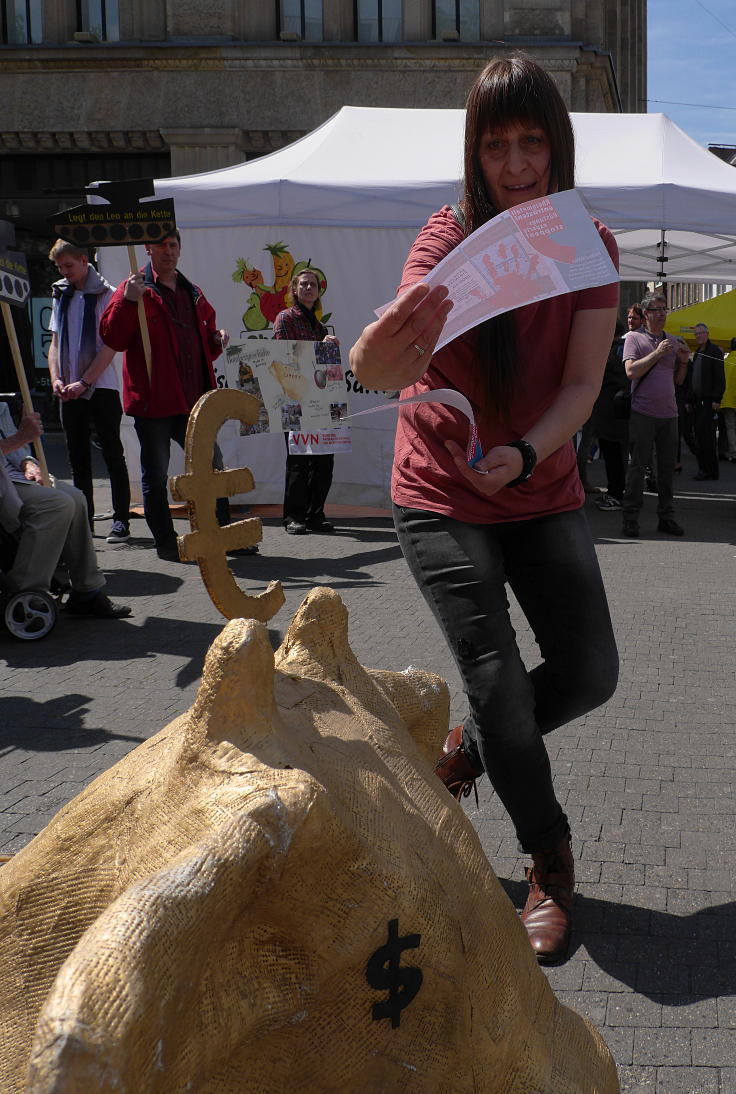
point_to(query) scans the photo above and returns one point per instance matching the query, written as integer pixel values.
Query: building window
(21, 22)
(378, 20)
(459, 19)
(301, 19)
(99, 17)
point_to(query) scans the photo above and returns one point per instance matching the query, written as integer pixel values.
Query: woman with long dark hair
(516, 518)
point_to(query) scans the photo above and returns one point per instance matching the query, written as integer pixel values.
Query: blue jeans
(551, 566)
(155, 436)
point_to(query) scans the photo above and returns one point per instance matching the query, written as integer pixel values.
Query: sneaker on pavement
(608, 502)
(295, 528)
(119, 533)
(97, 605)
(630, 527)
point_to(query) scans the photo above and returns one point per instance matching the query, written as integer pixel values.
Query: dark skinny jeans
(103, 412)
(551, 566)
(155, 436)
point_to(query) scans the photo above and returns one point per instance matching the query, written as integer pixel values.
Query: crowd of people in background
(676, 396)
(50, 527)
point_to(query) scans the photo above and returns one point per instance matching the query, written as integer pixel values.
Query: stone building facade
(148, 88)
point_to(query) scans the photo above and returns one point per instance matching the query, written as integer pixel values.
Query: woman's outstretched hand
(492, 471)
(395, 351)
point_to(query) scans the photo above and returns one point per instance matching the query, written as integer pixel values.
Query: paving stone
(628, 1009)
(662, 1047)
(688, 1080)
(638, 1080)
(728, 1080)
(713, 1047)
(680, 1011)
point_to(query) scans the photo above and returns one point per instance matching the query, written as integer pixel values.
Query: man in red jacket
(185, 341)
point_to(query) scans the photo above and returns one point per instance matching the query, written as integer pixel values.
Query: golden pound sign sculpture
(207, 543)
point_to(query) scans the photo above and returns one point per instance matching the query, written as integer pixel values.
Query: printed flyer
(301, 389)
(542, 248)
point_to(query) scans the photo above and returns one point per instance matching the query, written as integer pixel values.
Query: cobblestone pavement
(647, 781)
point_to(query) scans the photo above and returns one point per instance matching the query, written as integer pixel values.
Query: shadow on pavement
(671, 959)
(120, 584)
(75, 641)
(306, 572)
(56, 725)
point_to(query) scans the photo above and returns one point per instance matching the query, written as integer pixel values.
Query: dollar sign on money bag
(200, 487)
(384, 972)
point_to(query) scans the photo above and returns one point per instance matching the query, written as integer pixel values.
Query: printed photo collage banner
(301, 390)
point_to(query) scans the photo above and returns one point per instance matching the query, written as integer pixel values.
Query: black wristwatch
(530, 460)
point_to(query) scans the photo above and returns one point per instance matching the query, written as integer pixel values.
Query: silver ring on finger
(420, 349)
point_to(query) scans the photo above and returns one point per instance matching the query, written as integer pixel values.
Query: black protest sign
(126, 220)
(15, 286)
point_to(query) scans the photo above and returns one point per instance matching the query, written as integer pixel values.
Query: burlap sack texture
(243, 902)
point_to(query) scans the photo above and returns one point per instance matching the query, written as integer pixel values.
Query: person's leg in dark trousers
(614, 457)
(179, 434)
(296, 487)
(107, 414)
(76, 420)
(705, 439)
(222, 505)
(665, 443)
(461, 570)
(320, 481)
(641, 439)
(155, 435)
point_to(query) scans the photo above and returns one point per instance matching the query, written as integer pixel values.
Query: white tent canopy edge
(391, 167)
(351, 197)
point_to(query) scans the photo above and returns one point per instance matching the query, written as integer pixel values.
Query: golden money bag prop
(200, 487)
(274, 895)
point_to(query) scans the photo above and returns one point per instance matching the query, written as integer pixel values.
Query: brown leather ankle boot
(454, 767)
(547, 913)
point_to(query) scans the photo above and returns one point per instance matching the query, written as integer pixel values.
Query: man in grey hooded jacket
(85, 380)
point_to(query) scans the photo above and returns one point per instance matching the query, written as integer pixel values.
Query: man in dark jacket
(706, 384)
(185, 341)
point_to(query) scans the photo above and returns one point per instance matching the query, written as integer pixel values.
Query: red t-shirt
(424, 476)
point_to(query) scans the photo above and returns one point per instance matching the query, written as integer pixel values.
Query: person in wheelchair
(50, 524)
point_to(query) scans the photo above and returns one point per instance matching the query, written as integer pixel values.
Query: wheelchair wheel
(29, 615)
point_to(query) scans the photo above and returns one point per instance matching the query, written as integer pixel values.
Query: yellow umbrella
(718, 314)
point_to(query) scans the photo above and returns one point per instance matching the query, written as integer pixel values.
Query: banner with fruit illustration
(267, 298)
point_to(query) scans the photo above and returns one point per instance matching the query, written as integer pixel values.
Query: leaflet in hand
(542, 248)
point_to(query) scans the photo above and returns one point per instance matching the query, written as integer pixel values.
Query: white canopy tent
(350, 197)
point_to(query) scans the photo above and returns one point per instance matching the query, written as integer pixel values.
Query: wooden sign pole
(23, 385)
(141, 314)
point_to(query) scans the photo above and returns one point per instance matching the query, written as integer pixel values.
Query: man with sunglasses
(651, 364)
